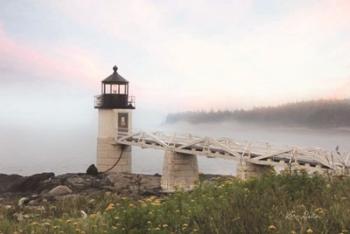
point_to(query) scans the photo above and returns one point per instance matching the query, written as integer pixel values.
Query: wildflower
(116, 217)
(114, 228)
(177, 211)
(293, 232)
(272, 227)
(309, 230)
(157, 228)
(110, 207)
(319, 211)
(149, 222)
(165, 225)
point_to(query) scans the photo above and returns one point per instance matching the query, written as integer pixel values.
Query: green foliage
(294, 203)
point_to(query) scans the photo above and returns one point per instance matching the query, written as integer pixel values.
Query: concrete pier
(111, 154)
(180, 172)
(248, 170)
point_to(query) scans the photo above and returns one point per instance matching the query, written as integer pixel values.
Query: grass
(294, 203)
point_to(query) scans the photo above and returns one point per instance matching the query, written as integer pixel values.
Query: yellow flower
(110, 207)
(319, 211)
(309, 230)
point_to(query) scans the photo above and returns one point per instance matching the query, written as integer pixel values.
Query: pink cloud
(68, 64)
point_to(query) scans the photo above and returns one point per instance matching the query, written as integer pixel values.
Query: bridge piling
(180, 171)
(248, 170)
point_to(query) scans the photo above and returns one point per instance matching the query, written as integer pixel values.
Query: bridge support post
(248, 170)
(180, 172)
(113, 157)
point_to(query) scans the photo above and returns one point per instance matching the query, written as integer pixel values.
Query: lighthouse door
(123, 123)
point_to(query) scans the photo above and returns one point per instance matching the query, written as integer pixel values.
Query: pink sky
(178, 55)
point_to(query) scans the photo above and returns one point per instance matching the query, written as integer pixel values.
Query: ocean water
(28, 150)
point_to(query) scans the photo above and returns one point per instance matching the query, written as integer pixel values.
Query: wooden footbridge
(264, 154)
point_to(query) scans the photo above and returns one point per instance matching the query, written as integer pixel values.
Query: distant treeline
(321, 113)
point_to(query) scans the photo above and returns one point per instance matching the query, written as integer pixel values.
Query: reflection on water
(28, 151)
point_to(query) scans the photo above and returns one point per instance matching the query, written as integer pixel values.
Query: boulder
(60, 190)
(29, 184)
(6, 181)
(92, 170)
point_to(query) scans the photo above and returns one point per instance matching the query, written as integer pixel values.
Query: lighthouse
(115, 108)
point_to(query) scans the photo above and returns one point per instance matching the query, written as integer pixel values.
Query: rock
(92, 170)
(33, 203)
(68, 197)
(23, 201)
(60, 191)
(6, 181)
(29, 183)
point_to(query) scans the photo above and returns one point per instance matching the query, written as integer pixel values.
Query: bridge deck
(256, 153)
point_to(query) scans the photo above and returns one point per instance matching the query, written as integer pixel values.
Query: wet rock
(60, 191)
(29, 184)
(92, 170)
(6, 181)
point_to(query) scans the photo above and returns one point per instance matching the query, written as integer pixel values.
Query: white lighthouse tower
(114, 120)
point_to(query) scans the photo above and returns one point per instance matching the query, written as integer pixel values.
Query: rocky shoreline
(41, 187)
(48, 186)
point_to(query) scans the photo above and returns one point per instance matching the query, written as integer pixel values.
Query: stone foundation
(248, 170)
(108, 154)
(180, 172)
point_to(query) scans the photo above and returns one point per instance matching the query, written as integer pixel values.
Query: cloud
(22, 62)
(206, 53)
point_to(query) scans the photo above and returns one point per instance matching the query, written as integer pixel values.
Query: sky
(177, 55)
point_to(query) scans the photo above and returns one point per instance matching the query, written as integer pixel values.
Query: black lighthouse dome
(114, 93)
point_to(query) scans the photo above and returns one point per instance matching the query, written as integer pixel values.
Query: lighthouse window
(122, 89)
(114, 89)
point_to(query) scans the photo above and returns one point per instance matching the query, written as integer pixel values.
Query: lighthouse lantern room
(114, 120)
